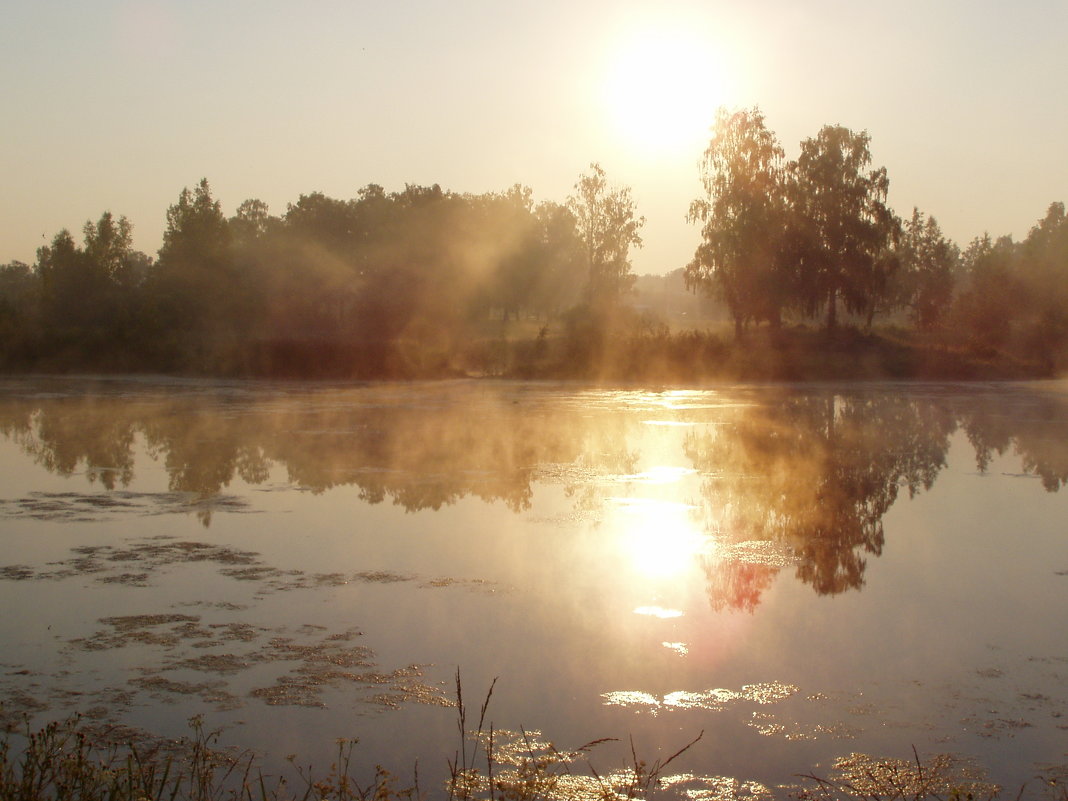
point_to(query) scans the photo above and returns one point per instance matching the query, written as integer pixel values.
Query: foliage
(429, 282)
(928, 264)
(845, 225)
(803, 235)
(743, 214)
(609, 226)
(63, 762)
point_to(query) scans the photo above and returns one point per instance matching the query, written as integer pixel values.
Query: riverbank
(656, 357)
(793, 355)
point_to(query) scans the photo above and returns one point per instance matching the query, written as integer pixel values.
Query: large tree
(743, 217)
(847, 225)
(609, 227)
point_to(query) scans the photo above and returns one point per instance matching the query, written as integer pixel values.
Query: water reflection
(812, 476)
(421, 457)
(784, 480)
(658, 536)
(1033, 427)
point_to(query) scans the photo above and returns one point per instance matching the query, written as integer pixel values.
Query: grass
(650, 353)
(65, 762)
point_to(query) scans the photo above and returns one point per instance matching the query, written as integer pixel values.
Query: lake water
(803, 573)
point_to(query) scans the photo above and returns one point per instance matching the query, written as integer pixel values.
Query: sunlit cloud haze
(117, 105)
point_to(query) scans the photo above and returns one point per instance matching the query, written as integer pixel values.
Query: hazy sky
(118, 104)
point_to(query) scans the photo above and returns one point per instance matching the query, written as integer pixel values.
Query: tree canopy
(428, 281)
(609, 226)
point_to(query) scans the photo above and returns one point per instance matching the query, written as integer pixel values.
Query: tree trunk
(832, 310)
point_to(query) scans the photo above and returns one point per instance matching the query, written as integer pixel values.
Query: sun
(661, 90)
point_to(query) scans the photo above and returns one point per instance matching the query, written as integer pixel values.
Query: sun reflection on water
(661, 474)
(659, 536)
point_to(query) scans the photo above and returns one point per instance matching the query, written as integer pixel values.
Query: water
(801, 573)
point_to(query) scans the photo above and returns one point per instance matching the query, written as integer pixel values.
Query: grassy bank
(585, 347)
(686, 357)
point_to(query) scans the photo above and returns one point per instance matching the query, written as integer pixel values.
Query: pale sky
(119, 104)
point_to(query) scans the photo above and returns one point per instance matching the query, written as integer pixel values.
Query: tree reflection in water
(811, 476)
(788, 478)
(421, 456)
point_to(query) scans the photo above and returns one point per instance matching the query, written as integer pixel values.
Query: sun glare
(659, 537)
(661, 91)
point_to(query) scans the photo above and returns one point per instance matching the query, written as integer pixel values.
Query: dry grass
(65, 761)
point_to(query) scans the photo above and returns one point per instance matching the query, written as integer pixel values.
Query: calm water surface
(802, 573)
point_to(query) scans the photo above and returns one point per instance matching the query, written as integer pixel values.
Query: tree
(1044, 271)
(18, 307)
(991, 293)
(197, 236)
(559, 258)
(743, 218)
(847, 225)
(200, 299)
(537, 259)
(108, 245)
(928, 264)
(251, 221)
(90, 296)
(609, 227)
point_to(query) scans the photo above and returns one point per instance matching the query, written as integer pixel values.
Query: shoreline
(681, 359)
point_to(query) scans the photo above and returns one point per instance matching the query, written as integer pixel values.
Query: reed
(67, 761)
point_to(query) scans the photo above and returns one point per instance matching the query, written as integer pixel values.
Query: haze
(118, 105)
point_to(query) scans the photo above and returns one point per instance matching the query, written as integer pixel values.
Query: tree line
(404, 283)
(421, 266)
(813, 236)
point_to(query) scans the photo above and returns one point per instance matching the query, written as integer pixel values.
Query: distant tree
(1014, 296)
(842, 208)
(743, 215)
(73, 292)
(19, 289)
(16, 277)
(90, 297)
(326, 221)
(538, 258)
(559, 259)
(61, 266)
(609, 226)
(197, 236)
(928, 264)
(251, 221)
(991, 295)
(199, 296)
(1044, 271)
(511, 284)
(108, 244)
